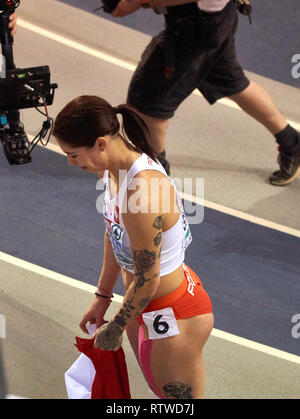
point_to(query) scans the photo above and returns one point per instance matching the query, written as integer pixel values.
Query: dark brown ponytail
(136, 130)
(86, 118)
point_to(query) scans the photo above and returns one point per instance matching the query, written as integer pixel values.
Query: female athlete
(166, 312)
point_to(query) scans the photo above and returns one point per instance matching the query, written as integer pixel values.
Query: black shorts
(215, 72)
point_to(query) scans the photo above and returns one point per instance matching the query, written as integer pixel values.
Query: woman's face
(90, 159)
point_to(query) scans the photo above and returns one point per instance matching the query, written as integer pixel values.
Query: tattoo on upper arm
(157, 239)
(177, 390)
(158, 222)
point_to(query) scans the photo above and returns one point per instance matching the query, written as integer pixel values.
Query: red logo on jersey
(150, 161)
(108, 224)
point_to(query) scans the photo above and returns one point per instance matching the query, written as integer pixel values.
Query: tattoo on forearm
(108, 338)
(144, 261)
(177, 390)
(124, 313)
(143, 304)
(158, 222)
(141, 281)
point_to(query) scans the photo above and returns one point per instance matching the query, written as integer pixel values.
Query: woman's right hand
(95, 313)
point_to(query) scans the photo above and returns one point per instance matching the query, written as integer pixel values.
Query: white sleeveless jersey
(174, 241)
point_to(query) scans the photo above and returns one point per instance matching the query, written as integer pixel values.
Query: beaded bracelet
(104, 296)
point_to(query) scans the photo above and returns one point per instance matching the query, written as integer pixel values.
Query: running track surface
(49, 218)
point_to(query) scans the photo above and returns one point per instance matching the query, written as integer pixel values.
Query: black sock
(288, 138)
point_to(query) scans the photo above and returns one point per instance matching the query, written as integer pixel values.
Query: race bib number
(161, 323)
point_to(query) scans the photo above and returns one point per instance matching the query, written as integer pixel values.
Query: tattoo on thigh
(177, 390)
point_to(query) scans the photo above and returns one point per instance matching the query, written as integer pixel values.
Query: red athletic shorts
(188, 300)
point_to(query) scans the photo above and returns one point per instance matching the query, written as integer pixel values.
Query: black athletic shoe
(164, 162)
(289, 168)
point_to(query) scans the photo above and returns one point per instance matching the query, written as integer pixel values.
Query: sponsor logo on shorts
(191, 283)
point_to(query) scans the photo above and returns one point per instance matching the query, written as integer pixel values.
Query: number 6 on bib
(161, 323)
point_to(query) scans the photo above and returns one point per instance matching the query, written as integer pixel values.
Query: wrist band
(103, 296)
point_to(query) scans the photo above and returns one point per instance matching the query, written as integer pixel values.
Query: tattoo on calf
(177, 390)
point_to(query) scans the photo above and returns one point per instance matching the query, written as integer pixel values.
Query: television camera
(20, 89)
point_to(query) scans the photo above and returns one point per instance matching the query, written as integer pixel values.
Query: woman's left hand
(108, 337)
(13, 23)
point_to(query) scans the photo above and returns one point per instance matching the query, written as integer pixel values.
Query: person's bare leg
(133, 333)
(257, 102)
(177, 362)
(158, 131)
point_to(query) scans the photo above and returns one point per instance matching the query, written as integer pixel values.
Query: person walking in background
(197, 51)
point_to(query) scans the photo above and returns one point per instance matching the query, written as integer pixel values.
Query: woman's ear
(101, 143)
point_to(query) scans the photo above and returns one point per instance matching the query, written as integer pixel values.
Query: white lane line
(218, 207)
(4, 257)
(242, 215)
(108, 58)
(78, 284)
(121, 63)
(76, 45)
